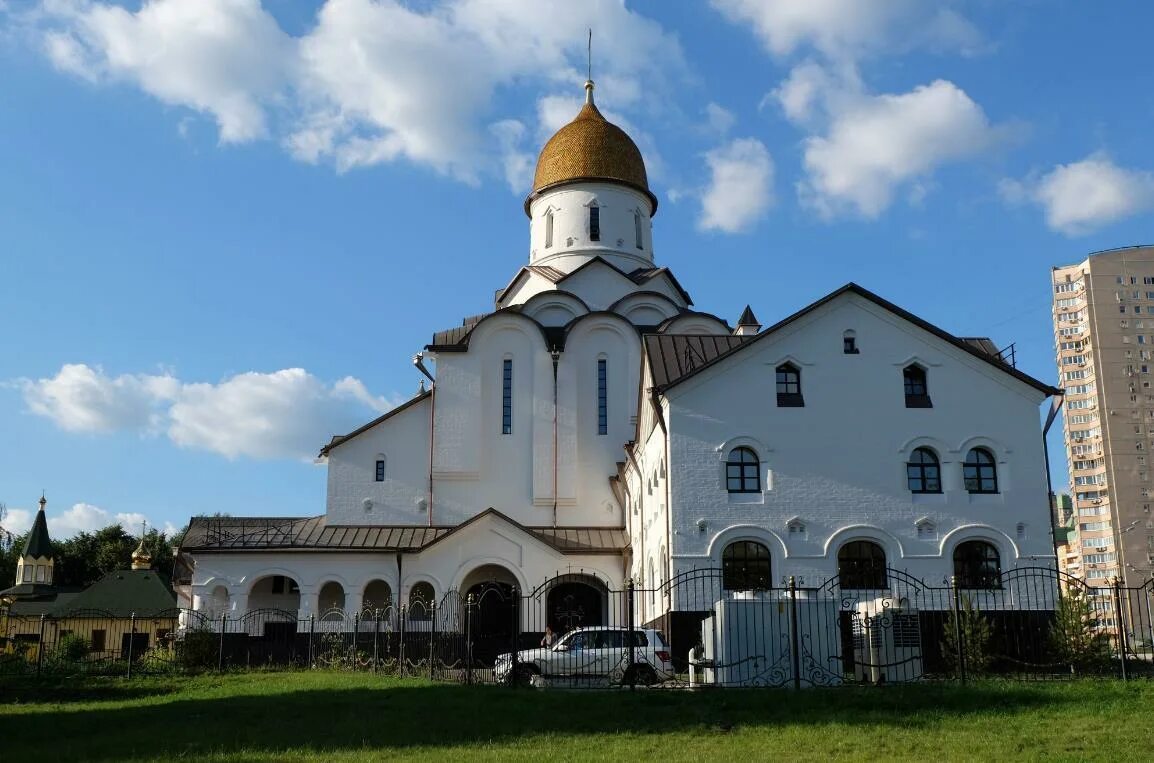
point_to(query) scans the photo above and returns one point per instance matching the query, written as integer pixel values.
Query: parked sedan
(600, 652)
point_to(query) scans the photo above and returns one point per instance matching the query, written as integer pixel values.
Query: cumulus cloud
(740, 188)
(874, 145)
(720, 119)
(80, 517)
(1081, 196)
(284, 414)
(849, 29)
(372, 81)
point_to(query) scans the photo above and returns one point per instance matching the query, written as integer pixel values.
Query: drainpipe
(419, 362)
(1055, 407)
(555, 354)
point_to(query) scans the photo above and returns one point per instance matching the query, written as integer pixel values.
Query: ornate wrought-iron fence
(694, 630)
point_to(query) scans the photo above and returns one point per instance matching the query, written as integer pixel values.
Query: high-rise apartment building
(1104, 340)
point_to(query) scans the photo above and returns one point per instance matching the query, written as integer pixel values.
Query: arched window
(923, 472)
(789, 386)
(917, 390)
(861, 564)
(745, 566)
(549, 229)
(379, 474)
(743, 471)
(849, 342)
(507, 396)
(980, 472)
(637, 228)
(602, 396)
(977, 565)
(421, 601)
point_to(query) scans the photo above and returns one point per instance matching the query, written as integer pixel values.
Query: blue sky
(226, 225)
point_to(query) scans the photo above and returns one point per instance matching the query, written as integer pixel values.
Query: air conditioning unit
(888, 649)
(1100, 548)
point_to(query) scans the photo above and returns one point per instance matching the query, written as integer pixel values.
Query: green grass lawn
(341, 716)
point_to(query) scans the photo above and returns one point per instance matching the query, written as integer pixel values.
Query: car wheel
(523, 675)
(642, 675)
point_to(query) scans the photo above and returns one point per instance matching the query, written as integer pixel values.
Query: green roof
(39, 545)
(122, 593)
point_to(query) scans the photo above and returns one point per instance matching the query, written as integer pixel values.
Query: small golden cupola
(590, 149)
(141, 559)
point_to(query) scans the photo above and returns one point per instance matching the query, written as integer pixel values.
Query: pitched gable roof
(978, 347)
(340, 439)
(122, 593)
(674, 356)
(640, 276)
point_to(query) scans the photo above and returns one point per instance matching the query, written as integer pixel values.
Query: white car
(600, 652)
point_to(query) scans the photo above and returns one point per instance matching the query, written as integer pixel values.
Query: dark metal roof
(339, 439)
(674, 356)
(643, 275)
(39, 545)
(121, 593)
(983, 344)
(852, 288)
(314, 534)
(748, 318)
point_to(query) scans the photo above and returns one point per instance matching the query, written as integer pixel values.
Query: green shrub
(70, 648)
(198, 650)
(1075, 638)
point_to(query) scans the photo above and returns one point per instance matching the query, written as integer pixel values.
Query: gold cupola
(590, 149)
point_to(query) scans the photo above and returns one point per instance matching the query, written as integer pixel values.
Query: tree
(975, 637)
(1074, 637)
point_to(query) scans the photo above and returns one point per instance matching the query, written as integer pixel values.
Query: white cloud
(81, 398)
(372, 81)
(875, 145)
(80, 517)
(849, 29)
(284, 414)
(740, 189)
(227, 58)
(720, 119)
(1082, 196)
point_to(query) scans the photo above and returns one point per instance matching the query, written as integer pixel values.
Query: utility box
(747, 641)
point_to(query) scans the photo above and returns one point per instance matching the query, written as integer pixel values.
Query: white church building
(594, 428)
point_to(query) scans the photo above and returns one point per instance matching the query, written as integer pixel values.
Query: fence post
(40, 646)
(312, 649)
(469, 640)
(220, 646)
(131, 642)
(513, 640)
(630, 597)
(376, 639)
(1118, 621)
(401, 643)
(432, 634)
(356, 637)
(794, 641)
(959, 635)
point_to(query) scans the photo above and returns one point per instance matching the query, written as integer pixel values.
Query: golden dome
(590, 148)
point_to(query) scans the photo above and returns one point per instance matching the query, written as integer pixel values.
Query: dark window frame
(980, 472)
(788, 381)
(861, 566)
(924, 477)
(594, 223)
(743, 468)
(507, 396)
(602, 396)
(746, 565)
(849, 345)
(915, 382)
(549, 229)
(977, 565)
(379, 476)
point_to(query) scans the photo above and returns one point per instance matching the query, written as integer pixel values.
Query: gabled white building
(594, 425)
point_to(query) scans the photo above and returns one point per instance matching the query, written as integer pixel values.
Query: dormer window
(594, 223)
(549, 229)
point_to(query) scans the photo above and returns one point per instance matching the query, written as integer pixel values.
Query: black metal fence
(691, 631)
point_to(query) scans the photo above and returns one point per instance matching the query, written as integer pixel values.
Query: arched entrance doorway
(574, 601)
(495, 613)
